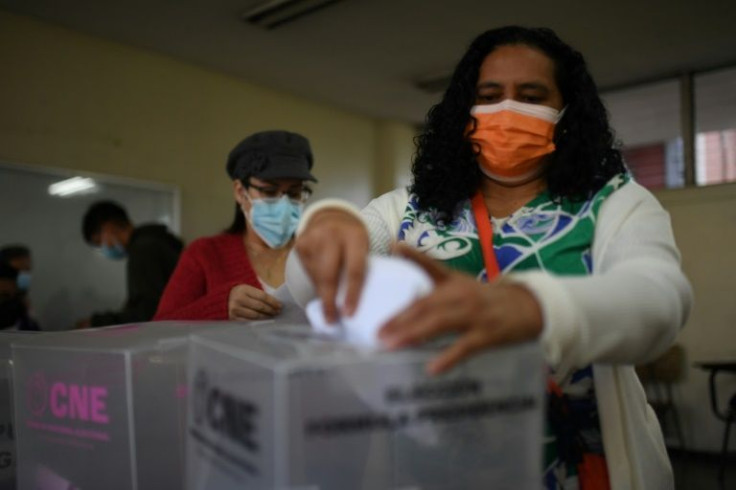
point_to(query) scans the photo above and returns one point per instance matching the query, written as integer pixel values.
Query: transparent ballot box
(279, 407)
(102, 408)
(7, 425)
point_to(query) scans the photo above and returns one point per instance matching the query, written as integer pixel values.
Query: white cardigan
(627, 312)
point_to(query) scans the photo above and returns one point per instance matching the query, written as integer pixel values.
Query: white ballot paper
(291, 312)
(282, 294)
(391, 285)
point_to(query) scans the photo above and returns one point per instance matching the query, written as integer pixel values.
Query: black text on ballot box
(278, 407)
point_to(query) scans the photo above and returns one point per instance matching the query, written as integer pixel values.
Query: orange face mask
(513, 138)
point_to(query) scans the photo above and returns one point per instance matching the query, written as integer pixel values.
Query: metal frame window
(678, 132)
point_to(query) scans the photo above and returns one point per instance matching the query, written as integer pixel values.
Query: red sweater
(200, 286)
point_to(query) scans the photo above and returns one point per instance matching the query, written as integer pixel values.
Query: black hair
(444, 168)
(15, 251)
(238, 225)
(8, 272)
(100, 213)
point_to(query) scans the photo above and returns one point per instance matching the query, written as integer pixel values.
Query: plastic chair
(658, 377)
(729, 415)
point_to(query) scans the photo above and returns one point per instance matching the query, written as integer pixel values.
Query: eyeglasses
(300, 194)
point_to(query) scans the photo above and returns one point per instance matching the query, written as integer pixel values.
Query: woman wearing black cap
(233, 275)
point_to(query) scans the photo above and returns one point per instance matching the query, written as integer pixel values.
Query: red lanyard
(485, 235)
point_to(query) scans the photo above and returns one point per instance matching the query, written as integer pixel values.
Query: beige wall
(393, 156)
(74, 101)
(704, 221)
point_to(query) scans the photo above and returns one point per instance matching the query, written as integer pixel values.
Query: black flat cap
(271, 155)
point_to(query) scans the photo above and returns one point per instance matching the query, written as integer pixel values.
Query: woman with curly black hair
(522, 212)
(585, 158)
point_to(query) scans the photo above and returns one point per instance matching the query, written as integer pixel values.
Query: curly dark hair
(586, 156)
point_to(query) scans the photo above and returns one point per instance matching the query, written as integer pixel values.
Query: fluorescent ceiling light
(75, 185)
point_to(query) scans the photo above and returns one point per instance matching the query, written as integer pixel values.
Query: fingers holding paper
(332, 246)
(482, 315)
(248, 303)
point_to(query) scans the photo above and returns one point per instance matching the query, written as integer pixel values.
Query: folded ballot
(391, 285)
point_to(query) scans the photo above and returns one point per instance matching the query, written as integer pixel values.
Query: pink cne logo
(67, 400)
(79, 402)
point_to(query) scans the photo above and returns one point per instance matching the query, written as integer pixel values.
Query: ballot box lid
(116, 339)
(8, 337)
(284, 346)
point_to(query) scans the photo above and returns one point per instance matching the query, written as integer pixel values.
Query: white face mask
(274, 220)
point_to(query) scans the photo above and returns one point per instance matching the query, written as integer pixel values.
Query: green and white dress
(548, 235)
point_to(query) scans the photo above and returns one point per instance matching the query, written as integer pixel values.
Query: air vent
(277, 13)
(433, 84)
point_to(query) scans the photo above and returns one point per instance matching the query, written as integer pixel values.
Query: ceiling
(366, 55)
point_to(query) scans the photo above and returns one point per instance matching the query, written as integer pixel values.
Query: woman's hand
(334, 245)
(484, 315)
(249, 303)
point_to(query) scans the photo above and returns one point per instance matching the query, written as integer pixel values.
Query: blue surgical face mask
(24, 280)
(113, 252)
(274, 220)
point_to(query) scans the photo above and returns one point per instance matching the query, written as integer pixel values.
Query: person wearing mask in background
(152, 253)
(233, 275)
(19, 258)
(516, 172)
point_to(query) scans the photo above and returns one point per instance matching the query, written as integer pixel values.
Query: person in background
(152, 253)
(12, 308)
(523, 212)
(19, 258)
(233, 275)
